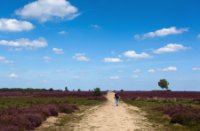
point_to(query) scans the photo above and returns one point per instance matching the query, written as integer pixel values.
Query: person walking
(116, 99)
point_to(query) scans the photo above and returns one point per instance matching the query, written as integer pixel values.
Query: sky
(123, 44)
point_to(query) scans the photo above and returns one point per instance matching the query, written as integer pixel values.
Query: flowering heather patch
(25, 110)
(160, 94)
(182, 107)
(49, 93)
(28, 118)
(185, 115)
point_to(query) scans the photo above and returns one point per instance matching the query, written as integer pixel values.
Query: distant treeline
(25, 89)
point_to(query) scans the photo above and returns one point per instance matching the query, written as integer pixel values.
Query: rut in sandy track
(108, 117)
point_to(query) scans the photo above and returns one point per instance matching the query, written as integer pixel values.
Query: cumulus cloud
(4, 60)
(172, 47)
(134, 55)
(114, 77)
(46, 59)
(198, 36)
(15, 49)
(45, 10)
(151, 70)
(170, 68)
(76, 77)
(196, 69)
(13, 25)
(62, 32)
(44, 81)
(58, 51)
(167, 69)
(13, 75)
(95, 26)
(25, 43)
(162, 32)
(112, 60)
(81, 57)
(135, 76)
(137, 71)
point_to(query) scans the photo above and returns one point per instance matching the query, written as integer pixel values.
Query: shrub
(66, 88)
(97, 91)
(66, 109)
(9, 128)
(184, 115)
(29, 118)
(163, 83)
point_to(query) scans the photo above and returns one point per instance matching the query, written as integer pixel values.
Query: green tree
(97, 91)
(164, 84)
(51, 89)
(79, 90)
(66, 88)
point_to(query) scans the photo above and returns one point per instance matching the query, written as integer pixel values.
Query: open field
(27, 110)
(85, 111)
(178, 111)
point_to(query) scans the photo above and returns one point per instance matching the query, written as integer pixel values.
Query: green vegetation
(159, 118)
(22, 89)
(27, 101)
(66, 88)
(97, 91)
(26, 110)
(164, 84)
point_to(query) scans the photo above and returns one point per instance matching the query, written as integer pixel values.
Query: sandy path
(108, 117)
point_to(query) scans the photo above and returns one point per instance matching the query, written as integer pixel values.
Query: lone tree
(97, 91)
(164, 84)
(66, 88)
(51, 89)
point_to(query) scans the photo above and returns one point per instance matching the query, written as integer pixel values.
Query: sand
(108, 117)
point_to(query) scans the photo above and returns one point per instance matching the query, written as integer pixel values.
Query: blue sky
(123, 44)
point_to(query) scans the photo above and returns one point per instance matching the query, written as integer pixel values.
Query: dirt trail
(108, 117)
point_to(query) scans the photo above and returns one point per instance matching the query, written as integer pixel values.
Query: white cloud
(15, 49)
(62, 32)
(198, 36)
(114, 77)
(112, 60)
(46, 59)
(4, 60)
(58, 51)
(137, 71)
(172, 47)
(167, 69)
(151, 70)
(13, 25)
(196, 69)
(76, 77)
(45, 10)
(134, 55)
(162, 32)
(95, 26)
(112, 52)
(44, 81)
(25, 43)
(135, 76)
(13, 75)
(80, 57)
